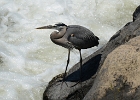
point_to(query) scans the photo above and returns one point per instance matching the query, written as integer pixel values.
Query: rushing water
(28, 57)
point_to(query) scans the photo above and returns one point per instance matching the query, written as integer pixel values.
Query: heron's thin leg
(80, 66)
(66, 66)
(80, 80)
(81, 71)
(67, 63)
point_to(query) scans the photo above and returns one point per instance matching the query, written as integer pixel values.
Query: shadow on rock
(88, 70)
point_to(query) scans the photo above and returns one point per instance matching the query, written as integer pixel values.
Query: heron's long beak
(47, 27)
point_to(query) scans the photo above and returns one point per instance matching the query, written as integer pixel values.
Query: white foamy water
(30, 59)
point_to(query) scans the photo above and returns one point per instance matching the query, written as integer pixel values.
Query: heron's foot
(63, 82)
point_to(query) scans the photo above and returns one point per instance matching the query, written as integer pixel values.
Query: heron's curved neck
(60, 34)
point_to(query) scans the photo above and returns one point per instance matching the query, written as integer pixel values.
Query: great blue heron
(72, 36)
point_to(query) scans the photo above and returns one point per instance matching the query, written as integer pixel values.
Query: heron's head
(57, 26)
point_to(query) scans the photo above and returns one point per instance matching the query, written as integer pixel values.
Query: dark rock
(92, 65)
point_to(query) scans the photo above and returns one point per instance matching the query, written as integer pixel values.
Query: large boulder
(118, 78)
(92, 69)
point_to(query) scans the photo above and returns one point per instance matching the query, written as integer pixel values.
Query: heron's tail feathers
(97, 38)
(97, 42)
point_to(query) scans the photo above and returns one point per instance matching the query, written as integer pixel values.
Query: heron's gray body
(72, 36)
(76, 36)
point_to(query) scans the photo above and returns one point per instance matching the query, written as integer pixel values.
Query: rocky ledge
(111, 73)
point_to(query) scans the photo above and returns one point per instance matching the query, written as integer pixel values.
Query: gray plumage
(72, 36)
(82, 37)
